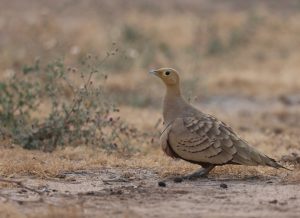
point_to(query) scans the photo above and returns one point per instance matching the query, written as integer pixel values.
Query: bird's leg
(198, 174)
(203, 172)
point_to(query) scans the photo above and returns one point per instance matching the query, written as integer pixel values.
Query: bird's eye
(167, 73)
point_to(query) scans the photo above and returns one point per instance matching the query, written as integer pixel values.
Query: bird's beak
(154, 72)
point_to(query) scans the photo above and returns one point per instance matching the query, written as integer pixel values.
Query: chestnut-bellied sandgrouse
(200, 138)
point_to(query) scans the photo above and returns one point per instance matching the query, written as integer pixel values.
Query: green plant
(18, 98)
(86, 116)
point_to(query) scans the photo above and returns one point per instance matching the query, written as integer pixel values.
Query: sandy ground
(135, 193)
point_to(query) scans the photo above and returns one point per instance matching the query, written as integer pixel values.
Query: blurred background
(238, 60)
(230, 47)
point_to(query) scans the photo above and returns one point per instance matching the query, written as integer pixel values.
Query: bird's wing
(205, 139)
(164, 142)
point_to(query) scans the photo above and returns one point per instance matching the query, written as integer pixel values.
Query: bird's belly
(169, 151)
(188, 155)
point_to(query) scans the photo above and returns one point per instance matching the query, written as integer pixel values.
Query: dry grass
(19, 162)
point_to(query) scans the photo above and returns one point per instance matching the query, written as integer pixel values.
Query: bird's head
(168, 75)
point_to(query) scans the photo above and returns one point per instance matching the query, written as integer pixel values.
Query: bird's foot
(202, 173)
(193, 176)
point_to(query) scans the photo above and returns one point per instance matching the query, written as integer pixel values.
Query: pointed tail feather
(275, 164)
(247, 155)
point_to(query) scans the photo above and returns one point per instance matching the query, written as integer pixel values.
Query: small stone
(119, 192)
(273, 201)
(162, 184)
(223, 185)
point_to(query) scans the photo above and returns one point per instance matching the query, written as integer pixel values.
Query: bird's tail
(273, 163)
(247, 155)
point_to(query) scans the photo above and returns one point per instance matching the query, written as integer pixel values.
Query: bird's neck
(173, 91)
(174, 105)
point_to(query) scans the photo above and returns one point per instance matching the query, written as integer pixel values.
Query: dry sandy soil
(113, 192)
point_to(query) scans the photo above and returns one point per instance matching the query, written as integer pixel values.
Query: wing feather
(204, 139)
(200, 140)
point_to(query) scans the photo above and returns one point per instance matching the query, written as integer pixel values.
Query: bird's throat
(173, 103)
(173, 90)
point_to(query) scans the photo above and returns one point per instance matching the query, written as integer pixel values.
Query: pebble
(273, 201)
(223, 185)
(162, 184)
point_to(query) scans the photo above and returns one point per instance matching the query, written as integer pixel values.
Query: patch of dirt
(115, 192)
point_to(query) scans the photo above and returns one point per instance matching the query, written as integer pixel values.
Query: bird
(200, 138)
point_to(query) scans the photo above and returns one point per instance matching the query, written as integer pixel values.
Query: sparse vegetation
(80, 113)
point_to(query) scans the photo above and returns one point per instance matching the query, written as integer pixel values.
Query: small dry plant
(81, 112)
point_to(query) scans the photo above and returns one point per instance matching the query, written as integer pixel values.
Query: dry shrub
(81, 112)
